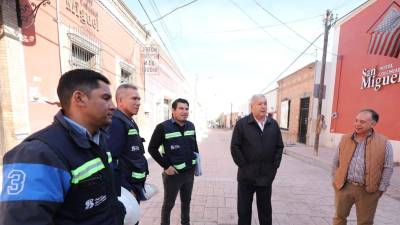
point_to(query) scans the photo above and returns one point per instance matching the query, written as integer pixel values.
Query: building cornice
(311, 65)
(129, 14)
(354, 12)
(121, 12)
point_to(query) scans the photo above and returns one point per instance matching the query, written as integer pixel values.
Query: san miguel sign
(380, 76)
(384, 42)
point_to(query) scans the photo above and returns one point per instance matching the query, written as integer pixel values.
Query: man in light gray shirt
(362, 168)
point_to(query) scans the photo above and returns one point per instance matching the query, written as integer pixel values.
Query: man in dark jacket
(177, 139)
(125, 143)
(256, 148)
(61, 174)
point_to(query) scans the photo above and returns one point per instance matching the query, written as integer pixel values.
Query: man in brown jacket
(362, 167)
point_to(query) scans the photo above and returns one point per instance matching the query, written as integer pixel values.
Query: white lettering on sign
(378, 78)
(151, 58)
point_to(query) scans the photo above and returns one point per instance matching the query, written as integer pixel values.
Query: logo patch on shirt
(90, 203)
(135, 148)
(100, 200)
(173, 147)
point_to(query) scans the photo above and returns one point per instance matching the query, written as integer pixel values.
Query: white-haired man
(256, 148)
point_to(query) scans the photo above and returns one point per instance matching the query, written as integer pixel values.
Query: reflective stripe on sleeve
(109, 157)
(138, 175)
(180, 166)
(132, 132)
(161, 150)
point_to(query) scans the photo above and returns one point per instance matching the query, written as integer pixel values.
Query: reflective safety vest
(179, 146)
(131, 159)
(91, 198)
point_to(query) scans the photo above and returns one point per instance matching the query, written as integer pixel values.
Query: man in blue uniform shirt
(61, 174)
(177, 139)
(125, 143)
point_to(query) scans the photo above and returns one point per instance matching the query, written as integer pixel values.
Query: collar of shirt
(354, 136)
(174, 121)
(83, 131)
(261, 124)
(126, 116)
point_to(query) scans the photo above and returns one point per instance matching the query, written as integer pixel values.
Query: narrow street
(302, 194)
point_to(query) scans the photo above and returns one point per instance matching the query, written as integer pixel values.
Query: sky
(232, 49)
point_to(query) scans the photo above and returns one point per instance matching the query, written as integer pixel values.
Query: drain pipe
(59, 34)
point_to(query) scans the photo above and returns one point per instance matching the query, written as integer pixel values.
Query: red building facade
(368, 68)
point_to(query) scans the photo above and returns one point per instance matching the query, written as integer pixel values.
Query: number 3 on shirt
(17, 181)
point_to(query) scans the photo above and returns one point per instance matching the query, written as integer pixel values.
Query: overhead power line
(166, 31)
(163, 26)
(347, 3)
(287, 26)
(265, 31)
(267, 26)
(155, 29)
(293, 62)
(283, 23)
(165, 15)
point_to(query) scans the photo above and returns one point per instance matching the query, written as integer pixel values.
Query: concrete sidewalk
(325, 158)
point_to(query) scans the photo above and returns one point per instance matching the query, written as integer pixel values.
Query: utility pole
(328, 23)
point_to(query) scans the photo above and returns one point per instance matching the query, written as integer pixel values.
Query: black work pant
(182, 183)
(245, 201)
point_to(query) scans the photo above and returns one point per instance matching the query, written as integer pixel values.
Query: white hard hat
(150, 190)
(131, 206)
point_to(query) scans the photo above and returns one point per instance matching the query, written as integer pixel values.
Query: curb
(309, 160)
